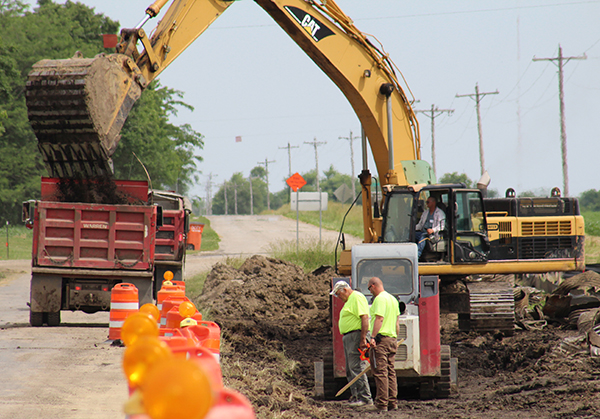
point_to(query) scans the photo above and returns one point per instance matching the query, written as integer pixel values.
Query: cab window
(396, 275)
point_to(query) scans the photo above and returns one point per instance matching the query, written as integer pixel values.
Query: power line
(478, 96)
(560, 61)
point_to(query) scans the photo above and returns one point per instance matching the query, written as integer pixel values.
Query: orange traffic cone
(124, 301)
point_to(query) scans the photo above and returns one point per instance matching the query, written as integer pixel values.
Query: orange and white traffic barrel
(124, 301)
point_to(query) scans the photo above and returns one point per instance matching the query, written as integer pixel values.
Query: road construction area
(275, 324)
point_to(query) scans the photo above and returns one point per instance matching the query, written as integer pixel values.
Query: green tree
(590, 200)
(166, 151)
(51, 31)
(455, 177)
(241, 183)
(333, 180)
(20, 162)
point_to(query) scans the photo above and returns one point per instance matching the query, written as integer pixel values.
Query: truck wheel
(443, 385)
(36, 318)
(54, 319)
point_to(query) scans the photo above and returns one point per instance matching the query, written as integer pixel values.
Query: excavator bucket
(77, 108)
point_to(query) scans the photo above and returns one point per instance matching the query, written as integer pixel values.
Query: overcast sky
(245, 77)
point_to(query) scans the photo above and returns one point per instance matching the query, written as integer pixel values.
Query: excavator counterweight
(77, 108)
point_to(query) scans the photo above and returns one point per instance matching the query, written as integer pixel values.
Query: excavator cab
(463, 237)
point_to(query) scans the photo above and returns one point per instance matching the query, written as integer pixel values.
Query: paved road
(72, 371)
(246, 235)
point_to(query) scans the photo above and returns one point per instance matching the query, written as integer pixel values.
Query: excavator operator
(431, 223)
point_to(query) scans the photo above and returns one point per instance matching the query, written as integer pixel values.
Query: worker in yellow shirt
(354, 326)
(384, 320)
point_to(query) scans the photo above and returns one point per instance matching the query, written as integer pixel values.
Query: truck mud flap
(45, 293)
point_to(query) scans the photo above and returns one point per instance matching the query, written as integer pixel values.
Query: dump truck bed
(96, 236)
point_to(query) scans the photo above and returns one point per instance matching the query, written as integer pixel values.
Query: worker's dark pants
(385, 373)
(421, 238)
(354, 366)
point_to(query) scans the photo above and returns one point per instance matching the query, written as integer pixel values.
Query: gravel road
(72, 371)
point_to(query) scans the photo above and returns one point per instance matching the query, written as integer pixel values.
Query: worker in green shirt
(354, 326)
(384, 323)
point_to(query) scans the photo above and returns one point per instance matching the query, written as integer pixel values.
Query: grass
(592, 249)
(310, 254)
(592, 223)
(19, 242)
(331, 218)
(210, 239)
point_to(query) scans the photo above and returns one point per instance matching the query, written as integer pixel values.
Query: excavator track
(77, 108)
(492, 307)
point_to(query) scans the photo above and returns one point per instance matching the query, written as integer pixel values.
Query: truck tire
(36, 318)
(443, 385)
(53, 319)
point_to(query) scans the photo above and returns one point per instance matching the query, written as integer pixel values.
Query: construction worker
(432, 221)
(384, 322)
(354, 326)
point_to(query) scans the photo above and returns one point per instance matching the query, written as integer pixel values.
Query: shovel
(371, 359)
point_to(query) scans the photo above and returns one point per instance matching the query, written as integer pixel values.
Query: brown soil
(275, 324)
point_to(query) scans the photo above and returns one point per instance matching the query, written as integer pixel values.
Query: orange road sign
(295, 182)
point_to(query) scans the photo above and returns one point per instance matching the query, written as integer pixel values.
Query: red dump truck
(81, 250)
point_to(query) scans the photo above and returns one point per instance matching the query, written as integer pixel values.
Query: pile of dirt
(275, 324)
(274, 320)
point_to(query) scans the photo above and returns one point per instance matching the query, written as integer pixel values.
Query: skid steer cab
(421, 361)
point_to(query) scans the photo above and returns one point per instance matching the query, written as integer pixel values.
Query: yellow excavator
(77, 108)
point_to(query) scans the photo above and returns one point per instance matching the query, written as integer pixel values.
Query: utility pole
(266, 163)
(208, 194)
(251, 196)
(289, 149)
(563, 131)
(351, 141)
(235, 197)
(478, 96)
(432, 114)
(225, 193)
(316, 143)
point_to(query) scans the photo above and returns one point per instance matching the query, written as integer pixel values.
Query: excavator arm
(77, 107)
(364, 74)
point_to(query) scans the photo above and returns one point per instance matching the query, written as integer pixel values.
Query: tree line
(237, 189)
